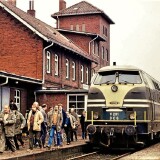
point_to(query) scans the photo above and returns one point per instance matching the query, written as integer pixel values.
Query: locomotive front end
(115, 108)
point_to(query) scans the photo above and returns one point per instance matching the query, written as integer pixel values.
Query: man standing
(35, 118)
(54, 122)
(19, 125)
(74, 131)
(9, 120)
(44, 124)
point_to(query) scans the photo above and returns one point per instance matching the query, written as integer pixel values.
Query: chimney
(12, 2)
(31, 10)
(62, 4)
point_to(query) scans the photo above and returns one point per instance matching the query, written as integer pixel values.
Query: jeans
(51, 136)
(43, 133)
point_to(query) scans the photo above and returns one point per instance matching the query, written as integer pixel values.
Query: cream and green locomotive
(123, 107)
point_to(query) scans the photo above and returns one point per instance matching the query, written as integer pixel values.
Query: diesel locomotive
(123, 107)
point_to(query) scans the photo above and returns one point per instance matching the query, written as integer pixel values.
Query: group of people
(55, 122)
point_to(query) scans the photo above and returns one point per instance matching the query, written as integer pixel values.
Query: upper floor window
(56, 65)
(71, 27)
(87, 79)
(48, 62)
(17, 98)
(107, 55)
(73, 71)
(105, 32)
(102, 52)
(82, 72)
(96, 48)
(83, 27)
(77, 27)
(67, 69)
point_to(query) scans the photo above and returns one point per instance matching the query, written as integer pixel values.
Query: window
(72, 27)
(87, 80)
(48, 62)
(96, 48)
(73, 71)
(107, 56)
(77, 102)
(56, 64)
(17, 98)
(82, 70)
(77, 27)
(67, 69)
(105, 32)
(83, 27)
(102, 52)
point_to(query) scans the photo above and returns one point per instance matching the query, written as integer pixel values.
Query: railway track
(99, 156)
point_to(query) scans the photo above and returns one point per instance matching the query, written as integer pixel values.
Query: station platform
(54, 153)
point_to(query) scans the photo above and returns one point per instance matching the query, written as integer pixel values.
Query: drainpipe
(5, 81)
(57, 22)
(44, 62)
(91, 42)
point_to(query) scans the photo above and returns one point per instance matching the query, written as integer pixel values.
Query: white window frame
(75, 103)
(87, 78)
(67, 68)
(73, 71)
(48, 62)
(56, 61)
(71, 27)
(82, 74)
(83, 27)
(17, 98)
(77, 27)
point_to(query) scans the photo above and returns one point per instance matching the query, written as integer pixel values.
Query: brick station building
(44, 64)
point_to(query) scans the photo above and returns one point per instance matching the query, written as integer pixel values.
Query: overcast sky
(135, 36)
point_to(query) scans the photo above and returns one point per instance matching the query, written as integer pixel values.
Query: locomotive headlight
(132, 116)
(95, 115)
(114, 88)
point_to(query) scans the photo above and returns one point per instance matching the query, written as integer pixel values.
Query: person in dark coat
(19, 125)
(69, 126)
(9, 120)
(83, 125)
(61, 110)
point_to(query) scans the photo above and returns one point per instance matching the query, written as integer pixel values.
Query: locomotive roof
(123, 67)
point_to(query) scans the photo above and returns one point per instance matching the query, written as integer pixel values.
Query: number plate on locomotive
(114, 116)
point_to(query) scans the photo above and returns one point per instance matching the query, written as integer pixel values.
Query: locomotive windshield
(105, 77)
(129, 77)
(109, 77)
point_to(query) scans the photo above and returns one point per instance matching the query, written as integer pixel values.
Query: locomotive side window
(129, 77)
(105, 77)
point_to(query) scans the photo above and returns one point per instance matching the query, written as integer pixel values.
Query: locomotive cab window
(129, 77)
(105, 78)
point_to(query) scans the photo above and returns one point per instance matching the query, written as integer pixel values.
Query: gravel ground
(150, 153)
